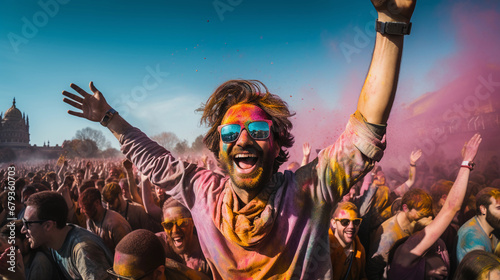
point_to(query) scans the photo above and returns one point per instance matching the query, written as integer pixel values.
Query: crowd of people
(340, 215)
(73, 220)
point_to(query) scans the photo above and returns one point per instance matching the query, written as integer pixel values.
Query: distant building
(15, 138)
(14, 128)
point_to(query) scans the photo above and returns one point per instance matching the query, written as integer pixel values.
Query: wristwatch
(393, 28)
(108, 116)
(468, 164)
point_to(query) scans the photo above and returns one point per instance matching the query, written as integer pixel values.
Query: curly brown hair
(253, 92)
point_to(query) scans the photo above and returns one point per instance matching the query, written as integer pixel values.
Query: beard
(492, 220)
(253, 181)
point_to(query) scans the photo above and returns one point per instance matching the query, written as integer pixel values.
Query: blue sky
(292, 46)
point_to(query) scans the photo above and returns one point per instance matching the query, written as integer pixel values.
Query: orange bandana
(250, 224)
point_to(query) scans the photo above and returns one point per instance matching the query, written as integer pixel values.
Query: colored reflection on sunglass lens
(258, 130)
(230, 132)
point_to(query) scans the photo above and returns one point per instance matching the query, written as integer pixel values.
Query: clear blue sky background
(289, 45)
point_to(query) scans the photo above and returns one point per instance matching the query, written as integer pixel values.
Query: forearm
(457, 193)
(87, 173)
(118, 126)
(378, 92)
(149, 204)
(443, 219)
(411, 175)
(366, 201)
(153, 160)
(60, 174)
(305, 160)
(133, 187)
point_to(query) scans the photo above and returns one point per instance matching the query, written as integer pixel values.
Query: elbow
(454, 206)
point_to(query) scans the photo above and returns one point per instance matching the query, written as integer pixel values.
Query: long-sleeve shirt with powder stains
(297, 246)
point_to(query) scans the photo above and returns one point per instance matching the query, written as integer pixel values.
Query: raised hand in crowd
(149, 204)
(306, 151)
(423, 243)
(134, 193)
(12, 268)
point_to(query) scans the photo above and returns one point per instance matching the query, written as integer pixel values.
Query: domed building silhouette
(14, 128)
(15, 139)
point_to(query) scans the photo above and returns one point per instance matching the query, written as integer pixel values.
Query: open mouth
(245, 161)
(178, 241)
(349, 234)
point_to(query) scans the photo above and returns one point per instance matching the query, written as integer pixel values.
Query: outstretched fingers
(470, 148)
(79, 90)
(77, 114)
(73, 103)
(75, 100)
(476, 139)
(72, 96)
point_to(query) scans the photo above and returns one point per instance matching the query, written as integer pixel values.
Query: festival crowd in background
(108, 208)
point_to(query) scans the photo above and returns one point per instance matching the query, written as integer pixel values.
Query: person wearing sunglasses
(346, 252)
(180, 240)
(38, 263)
(78, 253)
(253, 221)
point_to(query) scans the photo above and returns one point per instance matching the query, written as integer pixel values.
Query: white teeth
(245, 156)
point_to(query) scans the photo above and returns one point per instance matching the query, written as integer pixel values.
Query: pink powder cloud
(412, 125)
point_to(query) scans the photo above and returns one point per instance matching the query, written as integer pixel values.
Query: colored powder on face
(225, 147)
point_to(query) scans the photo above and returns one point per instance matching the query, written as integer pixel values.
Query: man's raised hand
(93, 107)
(469, 150)
(394, 10)
(415, 156)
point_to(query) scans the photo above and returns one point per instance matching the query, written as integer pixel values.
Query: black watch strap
(393, 28)
(108, 116)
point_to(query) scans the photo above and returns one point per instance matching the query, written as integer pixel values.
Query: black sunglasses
(345, 222)
(26, 223)
(115, 275)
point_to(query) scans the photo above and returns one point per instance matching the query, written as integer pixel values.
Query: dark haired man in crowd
(79, 253)
(38, 263)
(134, 213)
(254, 222)
(139, 255)
(477, 233)
(107, 224)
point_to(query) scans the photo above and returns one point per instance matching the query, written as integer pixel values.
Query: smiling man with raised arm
(255, 222)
